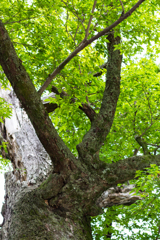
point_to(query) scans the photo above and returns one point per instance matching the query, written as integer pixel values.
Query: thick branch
(124, 170)
(85, 43)
(31, 101)
(50, 107)
(101, 125)
(143, 144)
(118, 173)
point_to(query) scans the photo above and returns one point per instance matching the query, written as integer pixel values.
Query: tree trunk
(27, 213)
(31, 210)
(40, 204)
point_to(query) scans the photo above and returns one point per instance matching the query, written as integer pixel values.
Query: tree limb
(50, 107)
(18, 21)
(143, 144)
(75, 13)
(122, 7)
(124, 170)
(90, 113)
(31, 102)
(158, 234)
(101, 125)
(103, 66)
(84, 44)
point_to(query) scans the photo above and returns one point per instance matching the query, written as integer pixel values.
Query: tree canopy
(62, 51)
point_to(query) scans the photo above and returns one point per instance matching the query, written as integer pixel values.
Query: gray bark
(118, 196)
(31, 164)
(27, 215)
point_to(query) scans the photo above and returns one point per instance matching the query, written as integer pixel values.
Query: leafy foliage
(137, 112)
(44, 33)
(5, 112)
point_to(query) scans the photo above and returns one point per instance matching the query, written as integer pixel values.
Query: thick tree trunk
(32, 218)
(39, 204)
(33, 208)
(27, 214)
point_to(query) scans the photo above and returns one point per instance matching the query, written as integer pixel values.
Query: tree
(52, 193)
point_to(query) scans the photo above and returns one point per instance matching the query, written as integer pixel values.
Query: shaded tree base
(33, 219)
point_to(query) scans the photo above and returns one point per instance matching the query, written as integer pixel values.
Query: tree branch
(18, 21)
(103, 66)
(124, 170)
(31, 102)
(143, 144)
(158, 234)
(50, 107)
(122, 7)
(75, 13)
(84, 44)
(90, 113)
(90, 20)
(102, 123)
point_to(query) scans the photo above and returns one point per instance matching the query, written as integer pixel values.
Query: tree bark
(28, 214)
(51, 194)
(39, 204)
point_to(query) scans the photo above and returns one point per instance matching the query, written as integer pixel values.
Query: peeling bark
(118, 196)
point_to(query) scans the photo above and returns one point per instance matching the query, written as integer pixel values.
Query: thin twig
(75, 13)
(18, 21)
(147, 97)
(122, 6)
(24, 44)
(147, 129)
(105, 12)
(76, 34)
(154, 145)
(90, 20)
(67, 28)
(103, 66)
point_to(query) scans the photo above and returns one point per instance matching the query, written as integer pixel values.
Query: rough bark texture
(51, 194)
(38, 202)
(27, 213)
(118, 196)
